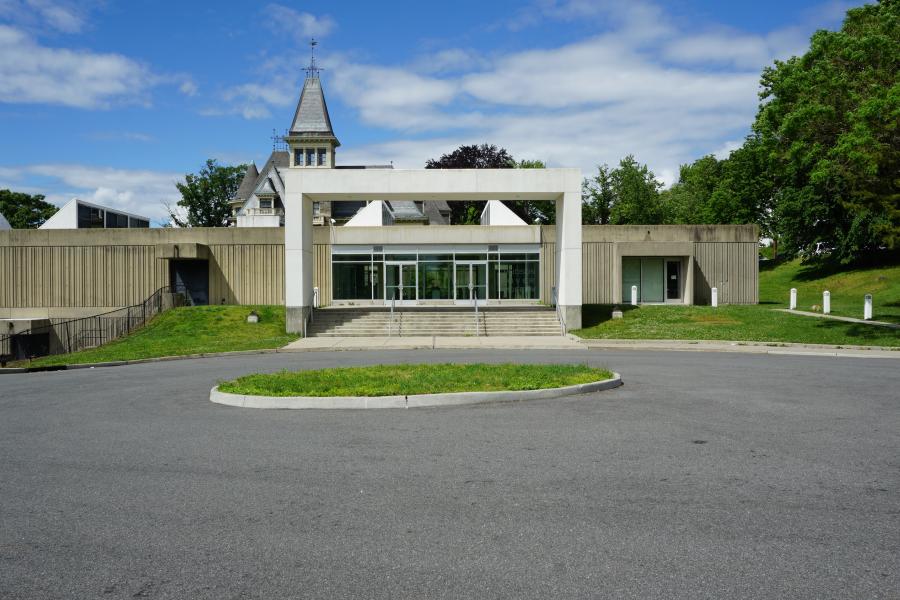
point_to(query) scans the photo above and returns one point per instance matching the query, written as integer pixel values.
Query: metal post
(715, 297)
(634, 295)
(826, 302)
(793, 304)
(867, 309)
(473, 299)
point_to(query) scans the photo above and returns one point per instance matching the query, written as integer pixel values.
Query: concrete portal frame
(305, 186)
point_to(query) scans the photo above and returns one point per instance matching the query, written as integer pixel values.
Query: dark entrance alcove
(190, 277)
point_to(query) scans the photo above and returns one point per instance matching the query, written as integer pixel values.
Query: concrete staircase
(428, 321)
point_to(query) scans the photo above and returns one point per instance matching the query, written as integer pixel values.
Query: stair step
(539, 321)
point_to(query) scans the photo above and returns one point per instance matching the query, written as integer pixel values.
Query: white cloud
(32, 73)
(727, 148)
(65, 16)
(130, 136)
(391, 97)
(59, 15)
(299, 25)
(188, 88)
(137, 191)
(640, 85)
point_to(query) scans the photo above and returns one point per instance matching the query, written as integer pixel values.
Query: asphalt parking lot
(705, 476)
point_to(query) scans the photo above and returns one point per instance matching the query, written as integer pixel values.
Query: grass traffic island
(386, 386)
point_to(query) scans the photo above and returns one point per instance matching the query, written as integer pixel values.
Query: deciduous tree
(25, 211)
(483, 156)
(830, 124)
(635, 194)
(205, 196)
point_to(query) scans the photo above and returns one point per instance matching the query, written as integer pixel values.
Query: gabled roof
(405, 210)
(264, 188)
(248, 184)
(311, 117)
(4, 224)
(268, 180)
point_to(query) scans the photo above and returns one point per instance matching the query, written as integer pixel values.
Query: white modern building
(78, 214)
(376, 262)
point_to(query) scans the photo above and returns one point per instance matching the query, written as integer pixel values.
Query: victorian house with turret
(310, 143)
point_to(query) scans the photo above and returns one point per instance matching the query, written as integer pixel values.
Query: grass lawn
(847, 287)
(761, 323)
(189, 330)
(745, 323)
(397, 380)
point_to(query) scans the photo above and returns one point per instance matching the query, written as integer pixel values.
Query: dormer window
(265, 203)
(298, 157)
(310, 157)
(320, 152)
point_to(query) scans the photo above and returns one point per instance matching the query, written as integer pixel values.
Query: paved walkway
(573, 343)
(837, 318)
(743, 347)
(433, 342)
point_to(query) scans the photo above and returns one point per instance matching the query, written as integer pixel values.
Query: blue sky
(114, 101)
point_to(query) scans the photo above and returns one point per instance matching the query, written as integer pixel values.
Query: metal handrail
(559, 315)
(475, 301)
(95, 330)
(391, 322)
(313, 300)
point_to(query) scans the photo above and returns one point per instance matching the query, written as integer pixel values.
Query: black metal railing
(72, 335)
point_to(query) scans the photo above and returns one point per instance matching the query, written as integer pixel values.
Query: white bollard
(793, 298)
(634, 295)
(715, 297)
(867, 310)
(826, 302)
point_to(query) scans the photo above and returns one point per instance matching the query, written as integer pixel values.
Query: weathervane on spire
(312, 70)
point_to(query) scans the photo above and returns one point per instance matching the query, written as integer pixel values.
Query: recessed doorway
(657, 280)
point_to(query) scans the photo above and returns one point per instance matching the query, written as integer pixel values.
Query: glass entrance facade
(657, 279)
(439, 275)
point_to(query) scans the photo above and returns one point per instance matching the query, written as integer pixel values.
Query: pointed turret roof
(248, 183)
(311, 117)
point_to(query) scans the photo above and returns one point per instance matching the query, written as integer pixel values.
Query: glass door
(653, 280)
(471, 283)
(673, 280)
(400, 283)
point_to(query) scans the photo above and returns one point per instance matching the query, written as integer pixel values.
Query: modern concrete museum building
(395, 247)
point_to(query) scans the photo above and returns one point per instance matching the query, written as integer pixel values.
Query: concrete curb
(414, 401)
(748, 347)
(137, 361)
(745, 347)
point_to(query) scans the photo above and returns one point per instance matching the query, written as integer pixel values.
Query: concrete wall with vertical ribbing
(71, 273)
(733, 268)
(722, 256)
